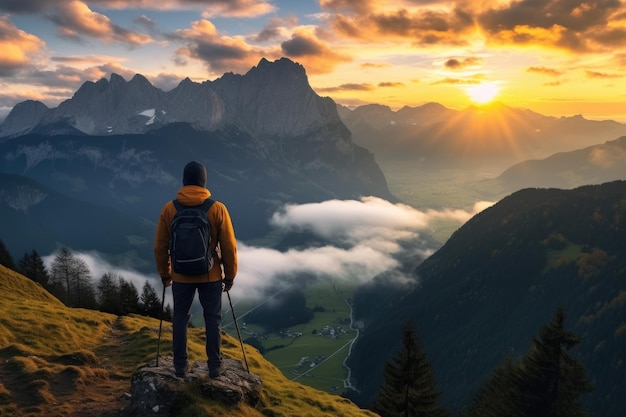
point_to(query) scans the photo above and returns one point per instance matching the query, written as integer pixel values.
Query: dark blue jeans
(210, 295)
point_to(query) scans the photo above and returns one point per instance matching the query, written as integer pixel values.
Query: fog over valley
(359, 239)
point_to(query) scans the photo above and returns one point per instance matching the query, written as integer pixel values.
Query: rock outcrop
(155, 391)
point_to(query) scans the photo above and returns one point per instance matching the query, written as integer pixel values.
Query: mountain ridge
(117, 106)
(486, 291)
(494, 135)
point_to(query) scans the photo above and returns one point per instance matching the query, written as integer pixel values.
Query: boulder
(156, 390)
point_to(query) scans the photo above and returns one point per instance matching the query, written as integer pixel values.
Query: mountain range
(265, 137)
(494, 135)
(486, 292)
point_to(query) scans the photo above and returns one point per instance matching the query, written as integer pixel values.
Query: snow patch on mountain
(150, 114)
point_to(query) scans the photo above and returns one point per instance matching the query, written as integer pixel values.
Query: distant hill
(494, 135)
(591, 165)
(501, 276)
(74, 362)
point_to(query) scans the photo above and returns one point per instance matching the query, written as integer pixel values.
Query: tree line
(70, 280)
(545, 382)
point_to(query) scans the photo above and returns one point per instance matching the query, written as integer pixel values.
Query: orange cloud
(456, 64)
(347, 87)
(219, 53)
(18, 49)
(570, 25)
(377, 21)
(545, 71)
(595, 74)
(390, 84)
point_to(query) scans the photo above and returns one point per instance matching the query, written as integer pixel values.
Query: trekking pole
(160, 326)
(238, 333)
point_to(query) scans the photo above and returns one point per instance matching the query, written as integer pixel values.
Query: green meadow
(63, 362)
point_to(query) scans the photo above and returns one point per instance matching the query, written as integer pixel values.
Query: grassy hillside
(58, 361)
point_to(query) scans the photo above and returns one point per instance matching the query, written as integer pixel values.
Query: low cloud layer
(364, 238)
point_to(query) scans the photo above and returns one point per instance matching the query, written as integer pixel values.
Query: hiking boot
(214, 373)
(180, 373)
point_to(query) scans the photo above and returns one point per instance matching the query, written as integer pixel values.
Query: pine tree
(5, 257)
(546, 382)
(409, 387)
(129, 297)
(32, 266)
(150, 301)
(108, 288)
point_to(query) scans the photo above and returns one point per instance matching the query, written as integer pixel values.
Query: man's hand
(227, 284)
(166, 281)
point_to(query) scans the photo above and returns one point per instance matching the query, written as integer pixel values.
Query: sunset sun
(483, 93)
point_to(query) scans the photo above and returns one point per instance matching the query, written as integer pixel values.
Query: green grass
(62, 362)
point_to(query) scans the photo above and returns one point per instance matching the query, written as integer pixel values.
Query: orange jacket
(222, 233)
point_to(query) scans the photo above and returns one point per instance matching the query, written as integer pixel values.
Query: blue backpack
(190, 239)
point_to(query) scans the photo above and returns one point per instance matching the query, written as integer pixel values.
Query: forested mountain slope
(488, 290)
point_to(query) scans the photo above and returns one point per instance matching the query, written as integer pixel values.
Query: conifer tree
(129, 297)
(546, 382)
(109, 294)
(5, 257)
(150, 301)
(409, 387)
(32, 266)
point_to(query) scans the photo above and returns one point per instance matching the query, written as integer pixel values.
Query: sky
(556, 57)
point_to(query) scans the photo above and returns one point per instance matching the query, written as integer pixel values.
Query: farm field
(311, 353)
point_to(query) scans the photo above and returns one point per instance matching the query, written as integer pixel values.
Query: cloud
(473, 80)
(602, 75)
(74, 19)
(458, 64)
(19, 49)
(317, 56)
(219, 53)
(210, 8)
(98, 266)
(390, 84)
(571, 25)
(276, 28)
(545, 71)
(364, 238)
(347, 87)
(424, 25)
(234, 8)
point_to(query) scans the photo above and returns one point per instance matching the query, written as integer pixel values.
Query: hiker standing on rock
(191, 255)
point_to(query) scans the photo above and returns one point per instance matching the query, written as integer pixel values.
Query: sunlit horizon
(438, 51)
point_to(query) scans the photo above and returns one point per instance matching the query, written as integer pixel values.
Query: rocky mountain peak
(23, 116)
(272, 99)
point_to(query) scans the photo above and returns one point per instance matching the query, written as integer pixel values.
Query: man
(210, 284)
